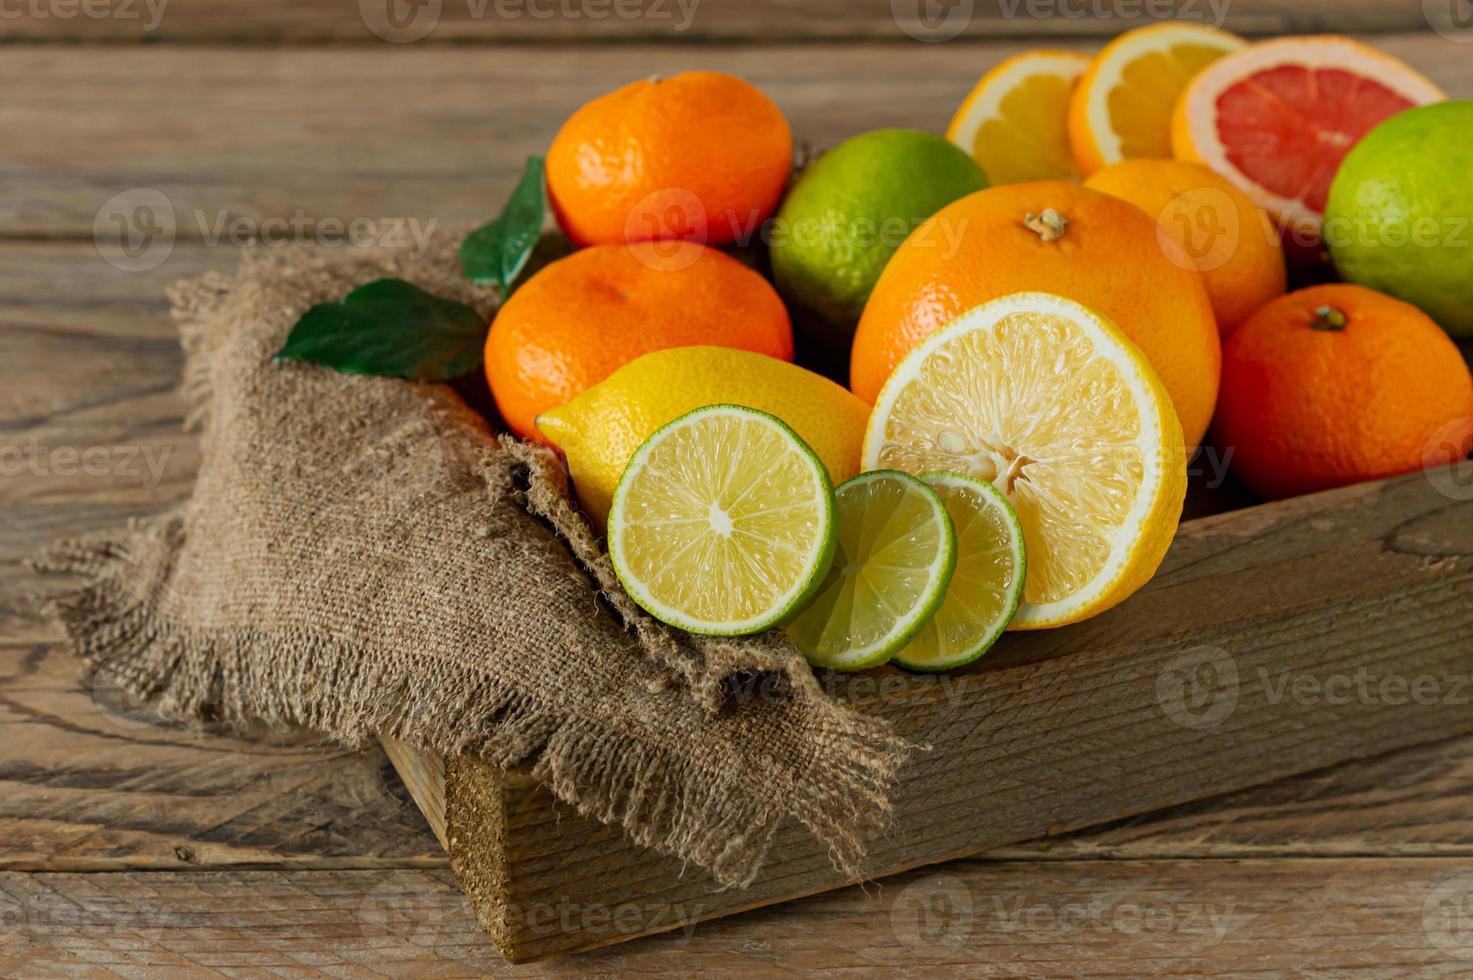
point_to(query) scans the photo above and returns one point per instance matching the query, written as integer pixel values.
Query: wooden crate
(1275, 640)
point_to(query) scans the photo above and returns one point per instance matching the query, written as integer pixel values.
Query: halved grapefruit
(1277, 118)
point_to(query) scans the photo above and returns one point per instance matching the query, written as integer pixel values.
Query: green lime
(853, 206)
(896, 554)
(723, 523)
(1400, 214)
(988, 581)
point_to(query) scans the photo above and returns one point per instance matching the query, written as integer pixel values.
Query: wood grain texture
(311, 135)
(90, 781)
(671, 21)
(1344, 615)
(1253, 918)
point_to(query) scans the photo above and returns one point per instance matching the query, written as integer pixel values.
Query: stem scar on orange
(582, 317)
(702, 156)
(1340, 384)
(1054, 237)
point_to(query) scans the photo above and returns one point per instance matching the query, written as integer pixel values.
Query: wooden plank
(1254, 918)
(312, 135)
(90, 781)
(667, 21)
(1313, 631)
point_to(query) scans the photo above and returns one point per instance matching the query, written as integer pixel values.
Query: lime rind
(805, 585)
(996, 500)
(914, 619)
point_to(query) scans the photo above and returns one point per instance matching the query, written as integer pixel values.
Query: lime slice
(987, 583)
(723, 522)
(896, 553)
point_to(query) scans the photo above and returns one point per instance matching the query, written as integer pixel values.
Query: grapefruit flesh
(1290, 127)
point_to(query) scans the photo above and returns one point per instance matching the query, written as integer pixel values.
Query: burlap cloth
(362, 555)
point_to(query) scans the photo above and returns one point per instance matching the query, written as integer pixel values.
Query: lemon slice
(723, 522)
(1014, 121)
(895, 557)
(1050, 402)
(1121, 109)
(987, 584)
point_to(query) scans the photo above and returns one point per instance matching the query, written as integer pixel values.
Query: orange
(1339, 384)
(701, 156)
(1121, 108)
(1277, 118)
(1224, 235)
(1055, 237)
(582, 317)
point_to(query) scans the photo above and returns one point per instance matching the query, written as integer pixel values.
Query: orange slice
(1278, 118)
(1122, 107)
(1014, 121)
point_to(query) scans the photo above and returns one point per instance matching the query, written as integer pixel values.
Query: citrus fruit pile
(929, 387)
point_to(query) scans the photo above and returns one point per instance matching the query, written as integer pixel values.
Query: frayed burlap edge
(113, 624)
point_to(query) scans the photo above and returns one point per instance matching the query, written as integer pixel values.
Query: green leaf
(393, 329)
(497, 251)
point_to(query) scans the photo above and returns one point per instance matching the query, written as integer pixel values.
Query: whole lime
(1400, 214)
(850, 210)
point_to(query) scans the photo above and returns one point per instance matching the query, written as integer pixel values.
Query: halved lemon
(987, 584)
(723, 522)
(1121, 109)
(896, 554)
(1014, 122)
(1051, 403)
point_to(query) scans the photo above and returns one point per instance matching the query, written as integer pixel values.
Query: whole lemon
(600, 429)
(853, 206)
(1400, 216)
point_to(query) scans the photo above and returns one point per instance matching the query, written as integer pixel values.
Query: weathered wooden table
(127, 846)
